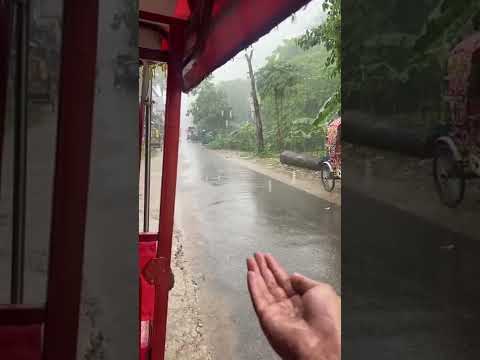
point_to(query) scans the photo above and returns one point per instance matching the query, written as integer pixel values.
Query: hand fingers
(270, 281)
(259, 293)
(252, 265)
(281, 276)
(302, 284)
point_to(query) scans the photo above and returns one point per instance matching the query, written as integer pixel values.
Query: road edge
(299, 184)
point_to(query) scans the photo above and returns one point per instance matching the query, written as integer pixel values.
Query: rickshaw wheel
(328, 178)
(449, 177)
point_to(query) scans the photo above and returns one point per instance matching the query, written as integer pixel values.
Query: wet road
(410, 287)
(227, 212)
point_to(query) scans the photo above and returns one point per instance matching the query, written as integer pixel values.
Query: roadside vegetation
(284, 105)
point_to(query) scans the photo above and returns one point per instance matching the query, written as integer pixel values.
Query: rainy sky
(236, 68)
(304, 19)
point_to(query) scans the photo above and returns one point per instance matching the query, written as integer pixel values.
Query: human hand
(300, 317)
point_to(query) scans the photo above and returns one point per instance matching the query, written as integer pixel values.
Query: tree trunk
(279, 122)
(256, 105)
(282, 137)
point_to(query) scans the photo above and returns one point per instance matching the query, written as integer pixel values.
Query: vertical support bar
(6, 16)
(169, 181)
(148, 161)
(20, 154)
(72, 165)
(142, 109)
(141, 114)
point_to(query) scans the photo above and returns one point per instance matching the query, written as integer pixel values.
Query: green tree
(274, 80)
(210, 111)
(402, 67)
(328, 33)
(238, 92)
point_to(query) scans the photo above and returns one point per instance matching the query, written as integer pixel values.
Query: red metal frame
(153, 54)
(77, 94)
(21, 315)
(157, 270)
(169, 181)
(333, 144)
(158, 18)
(244, 21)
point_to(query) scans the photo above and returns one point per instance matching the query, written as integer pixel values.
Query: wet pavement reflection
(226, 213)
(410, 287)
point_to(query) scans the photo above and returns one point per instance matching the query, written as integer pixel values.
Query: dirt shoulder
(302, 179)
(186, 335)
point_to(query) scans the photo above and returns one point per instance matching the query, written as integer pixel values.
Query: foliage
(304, 136)
(242, 139)
(291, 103)
(329, 109)
(328, 33)
(288, 51)
(210, 110)
(293, 85)
(237, 92)
(276, 77)
(275, 80)
(445, 24)
(402, 68)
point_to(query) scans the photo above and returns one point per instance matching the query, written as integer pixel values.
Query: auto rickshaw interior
(194, 38)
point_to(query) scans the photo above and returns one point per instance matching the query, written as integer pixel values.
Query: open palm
(300, 317)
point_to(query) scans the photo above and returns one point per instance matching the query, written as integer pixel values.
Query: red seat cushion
(21, 342)
(147, 250)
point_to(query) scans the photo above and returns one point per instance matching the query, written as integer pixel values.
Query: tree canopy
(328, 34)
(210, 110)
(404, 65)
(298, 79)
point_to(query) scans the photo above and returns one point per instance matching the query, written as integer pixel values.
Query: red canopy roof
(216, 30)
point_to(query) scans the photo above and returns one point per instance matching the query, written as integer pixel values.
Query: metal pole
(6, 16)
(169, 181)
(141, 114)
(20, 155)
(148, 136)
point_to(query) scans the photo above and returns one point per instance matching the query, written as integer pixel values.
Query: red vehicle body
(332, 166)
(193, 37)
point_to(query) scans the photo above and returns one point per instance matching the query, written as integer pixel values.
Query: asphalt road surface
(226, 213)
(411, 288)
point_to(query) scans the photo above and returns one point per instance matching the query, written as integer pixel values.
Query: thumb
(302, 284)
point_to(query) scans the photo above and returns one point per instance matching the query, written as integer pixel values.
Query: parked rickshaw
(457, 155)
(331, 169)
